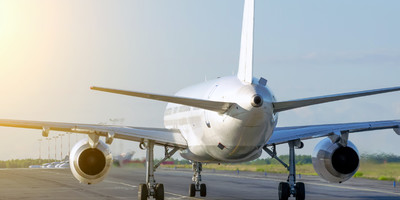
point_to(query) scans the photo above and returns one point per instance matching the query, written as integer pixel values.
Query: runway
(122, 183)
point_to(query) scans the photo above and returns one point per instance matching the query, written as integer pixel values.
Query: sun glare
(26, 41)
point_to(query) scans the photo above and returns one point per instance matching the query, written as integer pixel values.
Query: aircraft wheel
(143, 192)
(192, 190)
(159, 192)
(203, 190)
(284, 191)
(300, 191)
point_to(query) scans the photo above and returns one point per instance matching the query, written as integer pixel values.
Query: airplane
(123, 158)
(227, 120)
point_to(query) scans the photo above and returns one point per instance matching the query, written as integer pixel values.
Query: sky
(51, 52)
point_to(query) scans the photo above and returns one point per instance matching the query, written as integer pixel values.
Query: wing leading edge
(286, 134)
(165, 137)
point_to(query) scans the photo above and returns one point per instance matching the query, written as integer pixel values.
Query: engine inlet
(92, 161)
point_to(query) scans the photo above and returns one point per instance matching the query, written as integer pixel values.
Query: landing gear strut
(151, 188)
(286, 189)
(196, 186)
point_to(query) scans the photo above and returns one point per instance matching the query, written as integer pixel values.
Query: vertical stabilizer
(245, 72)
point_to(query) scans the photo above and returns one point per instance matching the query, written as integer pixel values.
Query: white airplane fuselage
(237, 135)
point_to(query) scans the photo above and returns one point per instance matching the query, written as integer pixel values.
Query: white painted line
(121, 183)
(182, 196)
(354, 188)
(318, 184)
(134, 186)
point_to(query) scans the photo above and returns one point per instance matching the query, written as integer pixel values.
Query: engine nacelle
(334, 162)
(90, 165)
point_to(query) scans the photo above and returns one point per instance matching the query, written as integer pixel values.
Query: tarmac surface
(122, 183)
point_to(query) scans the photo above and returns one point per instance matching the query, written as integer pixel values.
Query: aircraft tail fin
(245, 72)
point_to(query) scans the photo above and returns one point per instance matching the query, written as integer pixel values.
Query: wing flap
(284, 134)
(169, 137)
(288, 105)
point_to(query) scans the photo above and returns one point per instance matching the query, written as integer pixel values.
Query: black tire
(203, 190)
(192, 190)
(284, 191)
(300, 191)
(159, 192)
(143, 192)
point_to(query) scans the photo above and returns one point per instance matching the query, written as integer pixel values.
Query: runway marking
(318, 184)
(253, 178)
(121, 183)
(182, 196)
(354, 188)
(53, 172)
(134, 186)
(129, 185)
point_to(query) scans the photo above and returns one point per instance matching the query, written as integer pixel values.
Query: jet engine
(334, 162)
(90, 165)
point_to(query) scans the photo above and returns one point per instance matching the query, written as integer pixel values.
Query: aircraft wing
(286, 134)
(168, 137)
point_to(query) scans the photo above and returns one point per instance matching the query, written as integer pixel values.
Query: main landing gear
(286, 189)
(151, 188)
(196, 186)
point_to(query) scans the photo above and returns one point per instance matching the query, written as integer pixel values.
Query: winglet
(245, 72)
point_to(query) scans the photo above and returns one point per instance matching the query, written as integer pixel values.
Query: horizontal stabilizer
(216, 106)
(288, 105)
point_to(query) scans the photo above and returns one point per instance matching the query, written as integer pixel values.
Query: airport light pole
(40, 149)
(61, 135)
(55, 147)
(69, 143)
(48, 147)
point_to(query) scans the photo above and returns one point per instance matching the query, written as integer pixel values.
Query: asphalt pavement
(122, 183)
